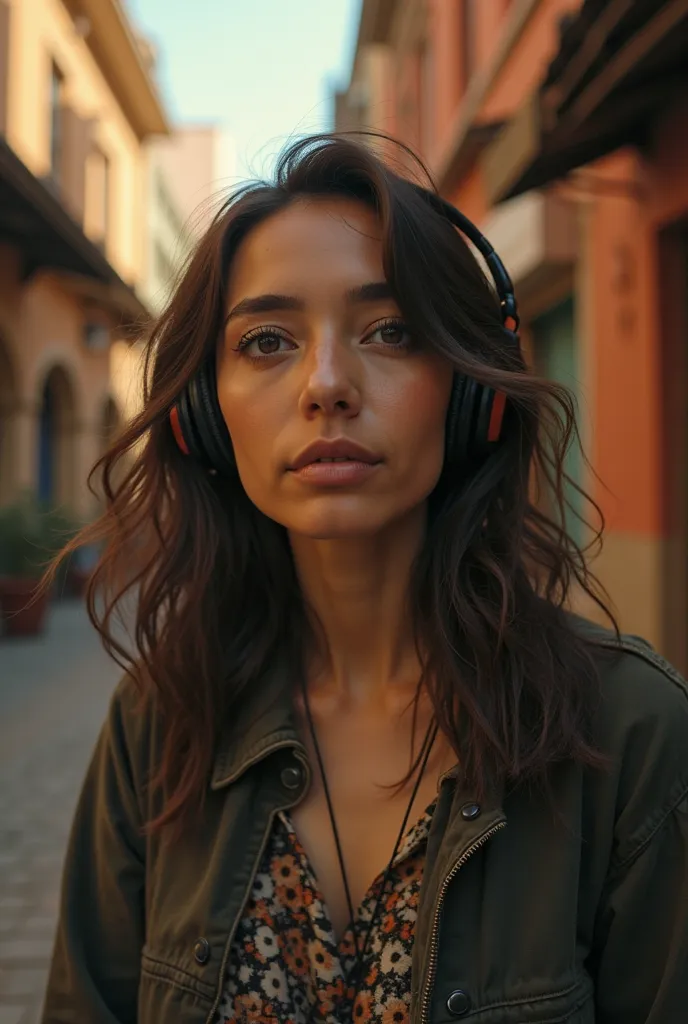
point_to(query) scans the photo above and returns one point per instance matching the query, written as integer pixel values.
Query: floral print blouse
(285, 963)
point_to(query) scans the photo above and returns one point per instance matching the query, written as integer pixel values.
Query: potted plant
(59, 526)
(21, 556)
(30, 534)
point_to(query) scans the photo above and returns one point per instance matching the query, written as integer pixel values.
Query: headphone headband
(498, 272)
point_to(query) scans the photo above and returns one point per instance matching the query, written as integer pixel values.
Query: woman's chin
(350, 519)
(338, 519)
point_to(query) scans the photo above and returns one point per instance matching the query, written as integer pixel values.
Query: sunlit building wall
(188, 172)
(598, 252)
(77, 104)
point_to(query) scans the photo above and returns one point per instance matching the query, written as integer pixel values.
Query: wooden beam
(516, 24)
(553, 156)
(665, 21)
(593, 44)
(514, 149)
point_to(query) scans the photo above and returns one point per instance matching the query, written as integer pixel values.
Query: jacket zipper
(434, 938)
(237, 919)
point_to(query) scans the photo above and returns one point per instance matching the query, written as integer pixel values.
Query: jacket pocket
(572, 1005)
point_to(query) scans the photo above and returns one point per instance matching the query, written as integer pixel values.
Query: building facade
(76, 106)
(186, 174)
(561, 128)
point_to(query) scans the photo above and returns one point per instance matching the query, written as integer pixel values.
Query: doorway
(673, 450)
(555, 356)
(8, 412)
(56, 440)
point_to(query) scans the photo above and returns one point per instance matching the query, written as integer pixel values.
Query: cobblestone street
(54, 692)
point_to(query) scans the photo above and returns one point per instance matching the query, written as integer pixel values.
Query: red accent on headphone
(511, 323)
(177, 430)
(496, 416)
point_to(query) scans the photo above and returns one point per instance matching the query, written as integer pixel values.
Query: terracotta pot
(21, 615)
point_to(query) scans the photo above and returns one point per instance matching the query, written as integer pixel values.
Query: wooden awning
(33, 219)
(620, 62)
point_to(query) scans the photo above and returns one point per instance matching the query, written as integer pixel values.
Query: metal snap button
(459, 1003)
(469, 812)
(291, 778)
(202, 951)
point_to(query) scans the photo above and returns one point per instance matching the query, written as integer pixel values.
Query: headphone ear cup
(458, 430)
(208, 421)
(484, 437)
(181, 420)
(489, 408)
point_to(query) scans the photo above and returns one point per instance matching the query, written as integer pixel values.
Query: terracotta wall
(631, 322)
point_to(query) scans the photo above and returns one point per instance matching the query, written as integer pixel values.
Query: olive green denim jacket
(525, 916)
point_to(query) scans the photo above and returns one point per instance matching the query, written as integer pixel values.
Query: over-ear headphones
(475, 416)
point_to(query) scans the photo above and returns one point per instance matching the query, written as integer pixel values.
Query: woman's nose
(330, 386)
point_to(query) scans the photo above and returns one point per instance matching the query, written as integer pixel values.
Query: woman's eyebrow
(374, 291)
(264, 304)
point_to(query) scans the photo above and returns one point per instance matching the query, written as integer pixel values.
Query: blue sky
(264, 69)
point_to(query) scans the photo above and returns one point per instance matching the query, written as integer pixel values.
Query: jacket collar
(264, 722)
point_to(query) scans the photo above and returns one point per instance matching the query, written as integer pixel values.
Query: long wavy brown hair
(216, 599)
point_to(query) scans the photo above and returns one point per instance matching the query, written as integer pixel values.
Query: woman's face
(316, 364)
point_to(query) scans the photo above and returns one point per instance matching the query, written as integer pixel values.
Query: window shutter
(4, 63)
(76, 141)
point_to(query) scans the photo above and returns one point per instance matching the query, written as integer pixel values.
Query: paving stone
(26, 950)
(10, 1014)
(33, 1014)
(40, 923)
(22, 982)
(54, 692)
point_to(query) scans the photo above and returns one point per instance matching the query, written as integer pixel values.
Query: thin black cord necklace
(361, 952)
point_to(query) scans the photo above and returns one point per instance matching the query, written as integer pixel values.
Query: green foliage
(31, 533)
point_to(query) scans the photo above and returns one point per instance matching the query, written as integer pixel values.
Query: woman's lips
(343, 473)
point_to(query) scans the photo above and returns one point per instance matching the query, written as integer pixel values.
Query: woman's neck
(357, 590)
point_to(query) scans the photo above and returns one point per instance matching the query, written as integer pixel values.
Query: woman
(365, 766)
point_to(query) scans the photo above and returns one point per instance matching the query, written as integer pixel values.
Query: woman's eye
(393, 334)
(264, 343)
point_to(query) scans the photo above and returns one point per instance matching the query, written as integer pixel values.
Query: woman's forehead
(311, 241)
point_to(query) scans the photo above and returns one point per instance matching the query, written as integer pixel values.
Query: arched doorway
(109, 427)
(56, 439)
(8, 410)
(110, 423)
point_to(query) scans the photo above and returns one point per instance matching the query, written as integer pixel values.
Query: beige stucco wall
(42, 31)
(167, 234)
(198, 165)
(42, 318)
(40, 329)
(194, 167)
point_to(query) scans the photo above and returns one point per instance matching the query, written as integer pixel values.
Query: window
(556, 356)
(469, 16)
(98, 194)
(4, 63)
(56, 88)
(426, 105)
(167, 206)
(103, 191)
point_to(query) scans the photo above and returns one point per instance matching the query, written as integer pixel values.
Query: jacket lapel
(264, 722)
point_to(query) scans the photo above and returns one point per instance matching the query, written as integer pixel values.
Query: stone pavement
(54, 693)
